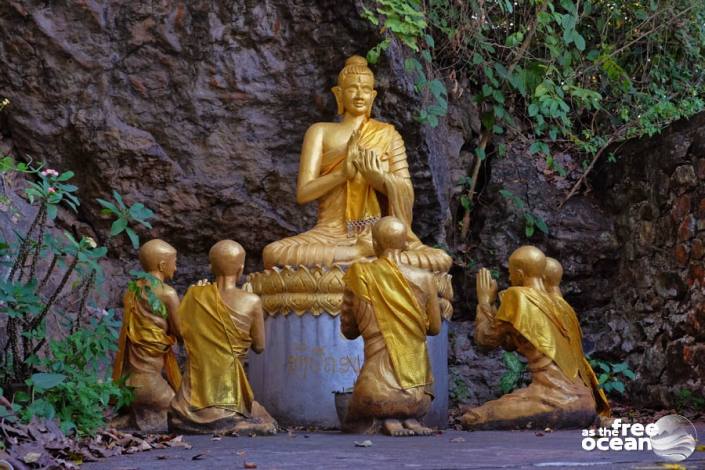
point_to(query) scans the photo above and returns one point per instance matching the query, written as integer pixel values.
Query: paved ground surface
(449, 450)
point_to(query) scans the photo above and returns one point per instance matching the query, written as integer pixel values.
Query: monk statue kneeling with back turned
(146, 341)
(543, 328)
(219, 323)
(393, 306)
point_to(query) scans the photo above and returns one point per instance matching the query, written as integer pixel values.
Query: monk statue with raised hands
(531, 321)
(219, 324)
(357, 170)
(148, 333)
(393, 306)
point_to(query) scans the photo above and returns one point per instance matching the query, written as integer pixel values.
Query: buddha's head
(527, 264)
(227, 258)
(388, 234)
(157, 256)
(355, 91)
(552, 275)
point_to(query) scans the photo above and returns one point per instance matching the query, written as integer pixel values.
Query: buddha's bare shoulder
(320, 128)
(165, 291)
(248, 299)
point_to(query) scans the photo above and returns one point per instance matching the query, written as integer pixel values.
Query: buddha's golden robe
(144, 350)
(564, 391)
(395, 380)
(215, 393)
(346, 213)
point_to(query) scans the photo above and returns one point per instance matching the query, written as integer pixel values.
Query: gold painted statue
(146, 341)
(357, 171)
(393, 306)
(219, 324)
(544, 329)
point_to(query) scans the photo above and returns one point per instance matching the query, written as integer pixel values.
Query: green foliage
(581, 75)
(53, 189)
(515, 376)
(66, 372)
(532, 221)
(458, 389)
(74, 392)
(689, 400)
(405, 20)
(143, 285)
(612, 376)
(125, 216)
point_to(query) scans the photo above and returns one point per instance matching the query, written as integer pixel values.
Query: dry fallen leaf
(700, 448)
(250, 465)
(31, 457)
(539, 434)
(365, 443)
(200, 456)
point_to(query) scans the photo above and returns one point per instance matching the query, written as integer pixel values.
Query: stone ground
(447, 450)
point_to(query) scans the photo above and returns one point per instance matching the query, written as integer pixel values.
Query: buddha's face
(356, 94)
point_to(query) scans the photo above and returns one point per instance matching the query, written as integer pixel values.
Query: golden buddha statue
(393, 306)
(146, 340)
(219, 324)
(563, 390)
(357, 170)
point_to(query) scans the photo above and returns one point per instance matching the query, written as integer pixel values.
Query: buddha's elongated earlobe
(338, 93)
(368, 114)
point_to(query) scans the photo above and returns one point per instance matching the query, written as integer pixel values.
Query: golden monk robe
(393, 306)
(146, 340)
(219, 324)
(552, 276)
(562, 392)
(357, 171)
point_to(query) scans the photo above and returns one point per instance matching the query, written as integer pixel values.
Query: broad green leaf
(618, 386)
(134, 239)
(108, 205)
(118, 226)
(45, 381)
(65, 176)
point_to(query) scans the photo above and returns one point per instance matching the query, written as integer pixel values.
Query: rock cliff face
(198, 110)
(655, 194)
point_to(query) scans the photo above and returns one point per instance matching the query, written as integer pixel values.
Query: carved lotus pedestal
(307, 359)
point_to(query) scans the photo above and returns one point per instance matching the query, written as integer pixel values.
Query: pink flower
(50, 172)
(51, 190)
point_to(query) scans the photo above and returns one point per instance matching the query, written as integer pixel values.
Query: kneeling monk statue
(146, 341)
(219, 323)
(563, 392)
(393, 306)
(357, 170)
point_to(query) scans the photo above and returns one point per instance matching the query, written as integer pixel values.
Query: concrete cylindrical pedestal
(307, 359)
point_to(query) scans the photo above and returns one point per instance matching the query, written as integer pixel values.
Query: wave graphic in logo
(674, 439)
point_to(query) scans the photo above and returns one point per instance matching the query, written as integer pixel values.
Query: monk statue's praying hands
(542, 327)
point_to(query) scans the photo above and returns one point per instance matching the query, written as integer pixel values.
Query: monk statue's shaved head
(552, 273)
(389, 233)
(227, 257)
(526, 266)
(154, 252)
